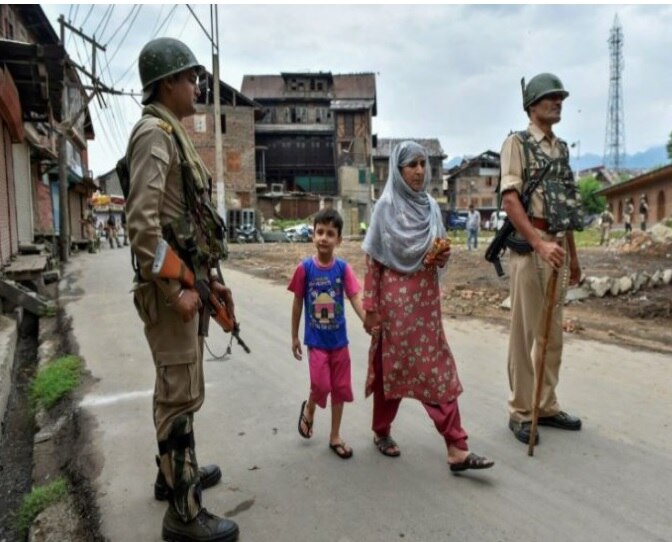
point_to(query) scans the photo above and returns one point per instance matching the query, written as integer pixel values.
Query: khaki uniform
(606, 221)
(529, 278)
(155, 199)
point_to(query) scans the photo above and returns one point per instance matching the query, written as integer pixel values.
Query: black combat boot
(205, 527)
(209, 476)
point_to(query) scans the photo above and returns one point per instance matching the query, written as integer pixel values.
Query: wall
(238, 152)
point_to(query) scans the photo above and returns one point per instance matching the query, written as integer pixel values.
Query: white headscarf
(404, 222)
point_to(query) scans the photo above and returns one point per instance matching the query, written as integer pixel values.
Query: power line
(107, 22)
(134, 63)
(156, 23)
(100, 22)
(123, 23)
(125, 35)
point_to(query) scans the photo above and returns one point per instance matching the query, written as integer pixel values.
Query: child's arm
(356, 302)
(297, 308)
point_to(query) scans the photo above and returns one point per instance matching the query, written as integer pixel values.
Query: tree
(669, 147)
(592, 203)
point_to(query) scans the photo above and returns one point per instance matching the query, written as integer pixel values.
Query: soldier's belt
(539, 223)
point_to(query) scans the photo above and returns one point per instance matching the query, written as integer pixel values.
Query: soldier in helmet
(168, 199)
(537, 160)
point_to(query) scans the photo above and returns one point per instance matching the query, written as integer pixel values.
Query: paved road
(610, 482)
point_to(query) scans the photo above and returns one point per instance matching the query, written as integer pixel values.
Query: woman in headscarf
(409, 355)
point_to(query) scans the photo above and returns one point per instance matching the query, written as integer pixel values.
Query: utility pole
(217, 112)
(65, 128)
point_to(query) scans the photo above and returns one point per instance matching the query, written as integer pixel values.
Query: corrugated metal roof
(385, 146)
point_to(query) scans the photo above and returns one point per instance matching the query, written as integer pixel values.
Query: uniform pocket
(146, 300)
(178, 380)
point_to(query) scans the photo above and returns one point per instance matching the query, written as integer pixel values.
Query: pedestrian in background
(643, 211)
(321, 283)
(606, 221)
(111, 231)
(410, 357)
(536, 155)
(627, 218)
(473, 227)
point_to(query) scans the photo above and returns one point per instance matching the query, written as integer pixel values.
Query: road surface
(612, 481)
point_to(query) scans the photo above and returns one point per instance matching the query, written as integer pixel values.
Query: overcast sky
(446, 71)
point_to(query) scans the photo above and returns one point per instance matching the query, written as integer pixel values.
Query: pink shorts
(330, 373)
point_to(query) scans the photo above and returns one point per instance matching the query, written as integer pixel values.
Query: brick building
(474, 180)
(381, 158)
(237, 120)
(655, 184)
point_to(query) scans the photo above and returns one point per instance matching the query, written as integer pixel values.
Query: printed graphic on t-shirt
(324, 308)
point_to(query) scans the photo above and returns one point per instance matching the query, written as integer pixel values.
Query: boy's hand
(296, 349)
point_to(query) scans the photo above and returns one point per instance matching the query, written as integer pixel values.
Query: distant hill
(648, 159)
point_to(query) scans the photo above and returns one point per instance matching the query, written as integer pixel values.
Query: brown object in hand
(439, 246)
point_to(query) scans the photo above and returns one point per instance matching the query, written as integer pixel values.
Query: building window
(319, 85)
(222, 123)
(488, 181)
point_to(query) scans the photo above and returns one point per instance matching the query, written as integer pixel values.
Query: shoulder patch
(165, 126)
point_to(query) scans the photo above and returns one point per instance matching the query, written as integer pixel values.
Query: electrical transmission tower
(614, 140)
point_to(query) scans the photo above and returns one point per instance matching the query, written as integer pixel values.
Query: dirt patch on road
(471, 287)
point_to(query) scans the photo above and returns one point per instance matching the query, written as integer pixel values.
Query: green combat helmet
(539, 86)
(163, 57)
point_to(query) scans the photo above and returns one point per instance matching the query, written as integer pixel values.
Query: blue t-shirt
(324, 305)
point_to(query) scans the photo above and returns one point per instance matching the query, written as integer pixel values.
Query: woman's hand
(372, 323)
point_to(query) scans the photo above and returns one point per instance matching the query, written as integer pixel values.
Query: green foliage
(669, 147)
(37, 500)
(55, 380)
(592, 204)
(590, 237)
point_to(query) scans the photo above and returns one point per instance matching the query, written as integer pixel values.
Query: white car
(299, 233)
(497, 220)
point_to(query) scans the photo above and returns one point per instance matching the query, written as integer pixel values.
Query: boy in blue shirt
(321, 282)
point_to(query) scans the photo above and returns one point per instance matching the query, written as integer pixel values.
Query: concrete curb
(9, 330)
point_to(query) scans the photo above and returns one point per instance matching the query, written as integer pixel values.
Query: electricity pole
(217, 113)
(66, 128)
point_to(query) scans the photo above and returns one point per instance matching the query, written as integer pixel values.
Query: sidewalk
(8, 334)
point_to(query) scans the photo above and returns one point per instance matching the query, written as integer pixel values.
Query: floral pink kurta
(417, 361)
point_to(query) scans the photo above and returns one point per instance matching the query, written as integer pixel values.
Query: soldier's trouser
(179, 391)
(529, 279)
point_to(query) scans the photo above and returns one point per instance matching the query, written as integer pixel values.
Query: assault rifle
(168, 265)
(503, 238)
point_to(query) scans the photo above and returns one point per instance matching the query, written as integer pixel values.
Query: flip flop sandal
(341, 451)
(472, 461)
(385, 444)
(309, 424)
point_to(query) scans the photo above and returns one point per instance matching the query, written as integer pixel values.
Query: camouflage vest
(562, 202)
(199, 235)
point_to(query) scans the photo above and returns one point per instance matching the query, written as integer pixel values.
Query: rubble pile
(657, 241)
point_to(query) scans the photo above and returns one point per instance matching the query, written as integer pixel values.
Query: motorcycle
(247, 233)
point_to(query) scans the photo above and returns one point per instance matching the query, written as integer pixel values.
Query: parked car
(274, 236)
(455, 220)
(301, 233)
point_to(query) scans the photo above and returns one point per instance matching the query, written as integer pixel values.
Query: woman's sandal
(385, 445)
(304, 420)
(472, 461)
